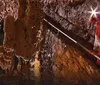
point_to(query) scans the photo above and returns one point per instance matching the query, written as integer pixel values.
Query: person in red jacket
(96, 19)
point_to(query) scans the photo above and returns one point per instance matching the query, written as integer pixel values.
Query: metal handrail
(71, 38)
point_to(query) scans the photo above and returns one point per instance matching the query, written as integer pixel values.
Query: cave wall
(73, 15)
(25, 34)
(8, 7)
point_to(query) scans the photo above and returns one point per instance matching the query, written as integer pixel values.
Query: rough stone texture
(64, 61)
(26, 34)
(73, 15)
(8, 7)
(71, 65)
(6, 58)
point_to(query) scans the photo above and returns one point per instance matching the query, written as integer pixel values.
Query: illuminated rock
(5, 58)
(25, 35)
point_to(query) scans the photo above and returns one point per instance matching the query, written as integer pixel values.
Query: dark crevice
(1, 32)
(25, 30)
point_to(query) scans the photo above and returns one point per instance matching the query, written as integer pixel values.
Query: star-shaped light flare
(94, 12)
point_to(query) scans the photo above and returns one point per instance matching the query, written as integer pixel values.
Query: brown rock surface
(73, 65)
(26, 33)
(5, 58)
(9, 32)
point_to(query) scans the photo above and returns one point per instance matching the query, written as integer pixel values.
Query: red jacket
(97, 20)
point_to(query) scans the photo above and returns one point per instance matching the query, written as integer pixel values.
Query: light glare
(93, 12)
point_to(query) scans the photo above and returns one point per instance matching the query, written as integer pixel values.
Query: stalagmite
(25, 35)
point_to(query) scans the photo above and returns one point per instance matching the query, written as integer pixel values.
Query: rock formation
(73, 15)
(26, 33)
(23, 36)
(5, 58)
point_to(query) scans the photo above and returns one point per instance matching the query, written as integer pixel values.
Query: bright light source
(94, 12)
